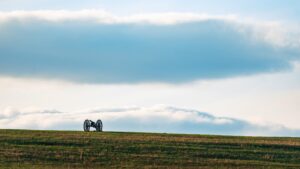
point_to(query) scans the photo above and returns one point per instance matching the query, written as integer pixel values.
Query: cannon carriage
(89, 123)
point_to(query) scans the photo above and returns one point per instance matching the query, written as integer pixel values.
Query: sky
(195, 66)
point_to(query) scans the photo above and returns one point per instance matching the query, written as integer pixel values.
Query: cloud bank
(97, 47)
(140, 119)
(103, 17)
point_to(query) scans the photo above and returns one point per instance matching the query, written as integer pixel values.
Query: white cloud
(154, 119)
(9, 112)
(101, 16)
(263, 99)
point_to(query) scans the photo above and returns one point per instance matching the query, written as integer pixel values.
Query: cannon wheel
(99, 125)
(86, 125)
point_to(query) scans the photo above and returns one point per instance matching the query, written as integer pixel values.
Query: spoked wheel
(99, 125)
(86, 125)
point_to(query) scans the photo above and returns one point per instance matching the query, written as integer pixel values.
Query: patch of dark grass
(75, 149)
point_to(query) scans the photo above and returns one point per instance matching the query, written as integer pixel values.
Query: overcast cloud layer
(95, 46)
(140, 119)
(239, 61)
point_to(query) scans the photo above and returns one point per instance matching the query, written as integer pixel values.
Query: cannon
(89, 123)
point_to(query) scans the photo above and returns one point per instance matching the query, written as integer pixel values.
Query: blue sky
(237, 60)
(271, 9)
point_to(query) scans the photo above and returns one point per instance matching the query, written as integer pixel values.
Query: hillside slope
(76, 149)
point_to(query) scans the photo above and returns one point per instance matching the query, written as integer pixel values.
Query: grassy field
(75, 149)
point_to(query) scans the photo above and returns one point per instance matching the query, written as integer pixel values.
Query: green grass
(76, 149)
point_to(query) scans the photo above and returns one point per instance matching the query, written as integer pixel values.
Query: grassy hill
(76, 149)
